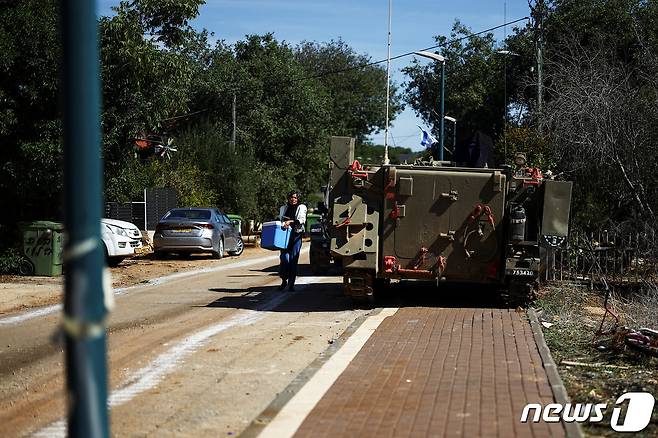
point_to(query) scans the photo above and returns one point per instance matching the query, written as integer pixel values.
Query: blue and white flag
(427, 139)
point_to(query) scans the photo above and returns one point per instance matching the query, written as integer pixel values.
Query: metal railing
(621, 253)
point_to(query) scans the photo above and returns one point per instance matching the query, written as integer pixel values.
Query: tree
(600, 104)
(30, 130)
(355, 88)
(602, 126)
(473, 84)
(145, 81)
(486, 81)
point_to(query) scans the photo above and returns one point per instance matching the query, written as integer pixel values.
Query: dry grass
(576, 313)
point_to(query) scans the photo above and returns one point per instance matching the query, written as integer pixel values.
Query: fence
(624, 253)
(146, 213)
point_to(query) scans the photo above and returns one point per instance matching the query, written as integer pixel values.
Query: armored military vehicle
(440, 222)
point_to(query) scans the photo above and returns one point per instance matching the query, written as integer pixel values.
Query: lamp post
(454, 132)
(442, 60)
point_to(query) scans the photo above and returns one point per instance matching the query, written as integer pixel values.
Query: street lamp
(442, 60)
(454, 132)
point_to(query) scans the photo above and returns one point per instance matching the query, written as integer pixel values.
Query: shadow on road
(322, 294)
(428, 294)
(316, 297)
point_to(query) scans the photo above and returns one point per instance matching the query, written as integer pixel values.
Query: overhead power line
(333, 72)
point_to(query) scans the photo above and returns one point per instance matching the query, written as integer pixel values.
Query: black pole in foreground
(84, 307)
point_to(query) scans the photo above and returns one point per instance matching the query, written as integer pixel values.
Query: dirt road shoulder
(22, 293)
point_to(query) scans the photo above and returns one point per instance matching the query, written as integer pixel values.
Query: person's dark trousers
(289, 259)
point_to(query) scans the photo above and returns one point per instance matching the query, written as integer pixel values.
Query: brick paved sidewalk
(439, 372)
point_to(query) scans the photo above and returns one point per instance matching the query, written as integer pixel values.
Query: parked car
(196, 230)
(120, 238)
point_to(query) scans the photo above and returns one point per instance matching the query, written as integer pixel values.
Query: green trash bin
(43, 246)
(236, 220)
(312, 219)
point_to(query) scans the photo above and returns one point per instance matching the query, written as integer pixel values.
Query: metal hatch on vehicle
(433, 207)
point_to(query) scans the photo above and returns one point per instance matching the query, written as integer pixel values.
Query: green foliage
(144, 84)
(356, 110)
(188, 180)
(374, 154)
(473, 84)
(30, 173)
(10, 260)
(538, 149)
(161, 76)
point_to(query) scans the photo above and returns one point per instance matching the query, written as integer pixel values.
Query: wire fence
(618, 253)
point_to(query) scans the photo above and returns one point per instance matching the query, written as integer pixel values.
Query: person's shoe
(284, 283)
(291, 288)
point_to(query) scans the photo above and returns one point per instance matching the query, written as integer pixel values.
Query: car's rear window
(188, 214)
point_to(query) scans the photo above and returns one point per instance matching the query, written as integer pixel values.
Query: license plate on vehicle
(521, 272)
(183, 230)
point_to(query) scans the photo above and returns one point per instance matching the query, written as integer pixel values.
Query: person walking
(292, 215)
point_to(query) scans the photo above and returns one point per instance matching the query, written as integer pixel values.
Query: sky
(363, 25)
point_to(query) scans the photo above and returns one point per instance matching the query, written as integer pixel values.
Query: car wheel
(238, 248)
(220, 250)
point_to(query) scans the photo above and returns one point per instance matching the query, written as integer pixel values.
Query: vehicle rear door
(228, 231)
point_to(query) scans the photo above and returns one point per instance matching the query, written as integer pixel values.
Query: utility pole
(232, 148)
(85, 312)
(538, 12)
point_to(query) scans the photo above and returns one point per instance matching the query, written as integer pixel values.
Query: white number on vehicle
(526, 272)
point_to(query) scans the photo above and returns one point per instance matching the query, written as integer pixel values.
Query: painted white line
(150, 376)
(43, 311)
(288, 420)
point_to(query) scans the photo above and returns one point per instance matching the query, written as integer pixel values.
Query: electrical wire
(332, 72)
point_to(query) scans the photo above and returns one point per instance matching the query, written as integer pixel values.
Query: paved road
(194, 356)
(223, 352)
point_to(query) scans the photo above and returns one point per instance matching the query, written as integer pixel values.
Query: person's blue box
(274, 237)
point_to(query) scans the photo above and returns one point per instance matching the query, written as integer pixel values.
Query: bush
(10, 261)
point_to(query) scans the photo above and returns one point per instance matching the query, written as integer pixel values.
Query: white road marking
(43, 311)
(150, 376)
(288, 420)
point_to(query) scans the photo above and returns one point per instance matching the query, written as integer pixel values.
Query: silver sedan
(196, 230)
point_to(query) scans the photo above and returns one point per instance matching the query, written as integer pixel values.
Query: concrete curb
(572, 430)
(261, 421)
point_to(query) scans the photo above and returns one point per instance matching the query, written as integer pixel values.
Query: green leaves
(474, 83)
(356, 90)
(160, 75)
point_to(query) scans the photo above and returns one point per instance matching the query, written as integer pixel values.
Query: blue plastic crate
(274, 237)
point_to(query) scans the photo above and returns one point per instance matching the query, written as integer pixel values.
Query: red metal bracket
(345, 222)
(490, 217)
(421, 258)
(390, 264)
(476, 213)
(356, 170)
(395, 213)
(442, 264)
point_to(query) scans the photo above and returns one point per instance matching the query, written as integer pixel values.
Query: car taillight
(208, 226)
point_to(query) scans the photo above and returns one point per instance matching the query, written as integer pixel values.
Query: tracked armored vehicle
(438, 222)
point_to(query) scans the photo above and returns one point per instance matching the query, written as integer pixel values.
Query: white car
(120, 238)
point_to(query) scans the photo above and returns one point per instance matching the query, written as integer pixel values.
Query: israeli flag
(427, 139)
